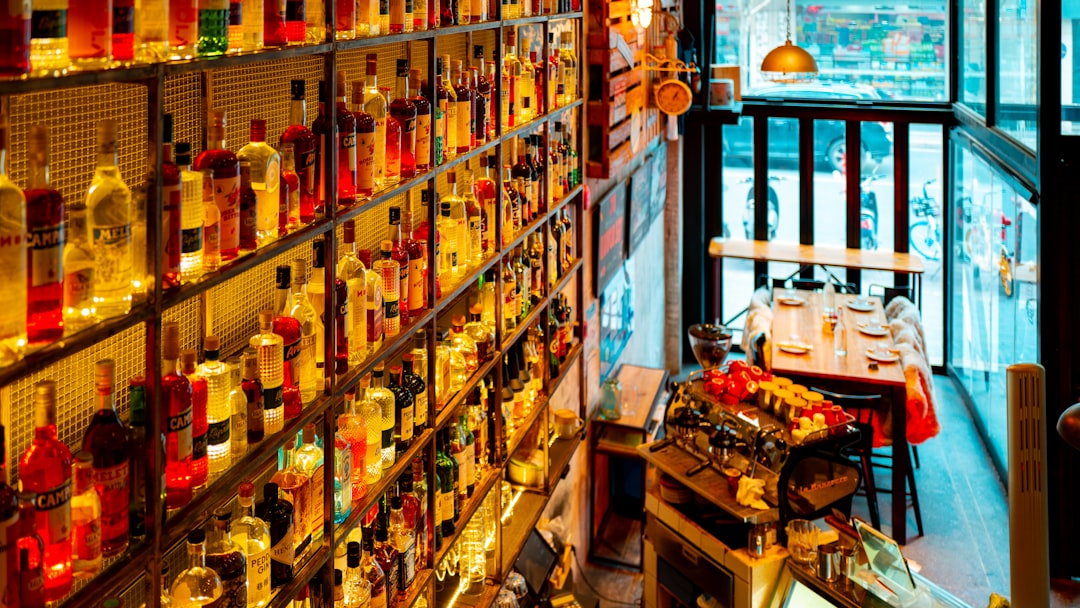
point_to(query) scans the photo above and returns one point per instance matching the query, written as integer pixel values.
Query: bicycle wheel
(924, 241)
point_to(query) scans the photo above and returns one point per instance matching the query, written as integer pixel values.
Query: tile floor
(965, 516)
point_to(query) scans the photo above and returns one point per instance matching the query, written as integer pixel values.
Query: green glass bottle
(213, 27)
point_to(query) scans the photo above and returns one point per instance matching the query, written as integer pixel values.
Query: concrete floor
(965, 516)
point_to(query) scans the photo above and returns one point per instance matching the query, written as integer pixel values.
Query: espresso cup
(567, 423)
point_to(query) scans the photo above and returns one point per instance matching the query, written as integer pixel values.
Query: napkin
(750, 492)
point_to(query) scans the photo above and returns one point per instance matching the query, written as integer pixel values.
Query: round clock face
(673, 97)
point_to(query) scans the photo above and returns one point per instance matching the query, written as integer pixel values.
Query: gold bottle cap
(476, 309)
(266, 319)
(170, 340)
(211, 343)
(45, 403)
(372, 64)
(188, 357)
(341, 85)
(105, 375)
(386, 247)
(300, 271)
(309, 433)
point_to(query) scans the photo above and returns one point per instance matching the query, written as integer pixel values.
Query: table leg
(900, 464)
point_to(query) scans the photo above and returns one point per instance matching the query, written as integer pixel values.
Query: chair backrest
(756, 355)
(863, 407)
(887, 293)
(808, 284)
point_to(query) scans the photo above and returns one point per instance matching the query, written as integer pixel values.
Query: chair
(818, 285)
(758, 344)
(887, 293)
(864, 408)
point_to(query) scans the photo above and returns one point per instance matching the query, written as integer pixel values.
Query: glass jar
(611, 399)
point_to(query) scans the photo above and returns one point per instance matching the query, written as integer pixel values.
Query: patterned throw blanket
(905, 322)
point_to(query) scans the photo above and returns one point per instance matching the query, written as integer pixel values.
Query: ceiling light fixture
(789, 63)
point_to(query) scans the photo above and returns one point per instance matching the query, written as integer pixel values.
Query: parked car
(829, 135)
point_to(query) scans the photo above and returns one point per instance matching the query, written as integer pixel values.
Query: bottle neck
(284, 300)
(394, 233)
(37, 174)
(299, 290)
(298, 113)
(197, 555)
(372, 82)
(342, 103)
(106, 401)
(167, 152)
(402, 91)
(106, 160)
(377, 381)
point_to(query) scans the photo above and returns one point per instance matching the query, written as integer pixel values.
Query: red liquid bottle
(183, 28)
(290, 331)
(123, 30)
(249, 219)
(177, 420)
(487, 194)
(304, 144)
(274, 33)
(90, 34)
(422, 151)
(403, 111)
(45, 245)
(199, 425)
(45, 468)
(106, 440)
(392, 168)
(288, 192)
(226, 169)
(466, 98)
(171, 195)
(400, 254)
(15, 40)
(341, 326)
(31, 555)
(485, 120)
(9, 531)
(365, 143)
(346, 147)
(296, 21)
(417, 250)
(480, 118)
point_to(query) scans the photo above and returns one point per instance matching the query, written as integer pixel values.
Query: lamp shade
(789, 63)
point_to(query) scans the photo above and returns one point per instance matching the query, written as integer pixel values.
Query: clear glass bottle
(177, 420)
(465, 108)
(45, 241)
(308, 460)
(840, 337)
(463, 343)
(371, 412)
(389, 272)
(526, 85)
(482, 335)
(375, 324)
(357, 589)
(49, 38)
(400, 254)
(252, 535)
(198, 585)
(462, 237)
(211, 224)
(295, 489)
(442, 368)
(105, 440)
(45, 469)
(447, 247)
(192, 215)
(12, 257)
(218, 413)
(108, 202)
(422, 152)
(373, 571)
(85, 519)
(265, 179)
(385, 399)
(252, 16)
(227, 559)
(308, 312)
(270, 348)
(404, 412)
(511, 304)
(568, 63)
(392, 170)
(343, 475)
(254, 396)
(237, 404)
(376, 106)
(354, 273)
(152, 31)
(352, 426)
(278, 515)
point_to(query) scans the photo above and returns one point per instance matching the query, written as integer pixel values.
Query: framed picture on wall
(609, 236)
(641, 206)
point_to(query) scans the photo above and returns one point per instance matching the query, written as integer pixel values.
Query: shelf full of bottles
(245, 381)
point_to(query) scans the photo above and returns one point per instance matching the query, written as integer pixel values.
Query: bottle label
(463, 469)
(227, 198)
(406, 423)
(48, 24)
(305, 170)
(20, 9)
(380, 148)
(180, 428)
(403, 285)
(292, 350)
(374, 322)
(464, 122)
(191, 240)
(423, 139)
(420, 409)
(112, 254)
(417, 284)
(445, 506)
(273, 398)
(78, 288)
(211, 232)
(390, 310)
(254, 414)
(406, 565)
(198, 447)
(219, 433)
(87, 536)
(357, 313)
(365, 162)
(440, 130)
(46, 245)
(476, 236)
(111, 484)
(258, 566)
(282, 554)
(347, 148)
(315, 504)
(54, 513)
(9, 559)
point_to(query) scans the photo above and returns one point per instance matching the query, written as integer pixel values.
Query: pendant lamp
(788, 63)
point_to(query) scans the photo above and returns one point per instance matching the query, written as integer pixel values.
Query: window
(1018, 70)
(973, 55)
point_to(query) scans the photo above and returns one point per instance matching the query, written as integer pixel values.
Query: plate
(794, 348)
(861, 307)
(795, 301)
(882, 356)
(872, 330)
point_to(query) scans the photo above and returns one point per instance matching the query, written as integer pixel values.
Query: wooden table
(851, 374)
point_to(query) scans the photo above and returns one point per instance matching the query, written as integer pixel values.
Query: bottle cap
(444, 208)
(405, 484)
(270, 491)
(337, 577)
(395, 502)
(247, 490)
(297, 87)
(300, 270)
(395, 215)
(407, 358)
(402, 67)
(395, 371)
(349, 230)
(211, 344)
(414, 75)
(382, 534)
(104, 375)
(251, 364)
(170, 340)
(379, 368)
(223, 514)
(319, 247)
(183, 153)
(352, 548)
(266, 319)
(386, 247)
(476, 309)
(283, 277)
(458, 321)
(309, 433)
(365, 257)
(258, 129)
(196, 536)
(188, 357)
(451, 177)
(245, 174)
(341, 85)
(372, 64)
(358, 92)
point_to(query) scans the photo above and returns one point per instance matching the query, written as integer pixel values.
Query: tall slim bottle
(45, 468)
(526, 85)
(226, 170)
(253, 394)
(371, 411)
(252, 535)
(465, 110)
(192, 215)
(291, 332)
(486, 195)
(236, 26)
(12, 255)
(413, 379)
(354, 273)
(403, 110)
(304, 147)
(388, 269)
(105, 439)
(49, 38)
(375, 105)
(296, 489)
(265, 180)
(9, 531)
(422, 151)
(346, 142)
(305, 309)
(385, 399)
(475, 220)
(365, 144)
(200, 465)
(353, 426)
(274, 33)
(417, 249)
(446, 247)
(404, 412)
(512, 71)
(460, 217)
(213, 28)
(249, 237)
(400, 254)
(568, 67)
(177, 421)
(151, 31)
(15, 51)
(227, 559)
(108, 202)
(45, 244)
(374, 305)
(308, 459)
(269, 348)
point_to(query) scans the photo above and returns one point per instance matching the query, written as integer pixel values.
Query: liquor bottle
(535, 262)
(13, 257)
(45, 468)
(475, 221)
(522, 174)
(235, 26)
(304, 148)
(290, 330)
(270, 348)
(440, 109)
(512, 207)
(375, 105)
(446, 90)
(511, 305)
(49, 38)
(446, 492)
(568, 66)
(200, 466)
(137, 445)
(253, 394)
(288, 192)
(416, 385)
(365, 144)
(389, 271)
(522, 286)
(211, 223)
(387, 405)
(307, 304)
(273, 23)
(388, 559)
(352, 425)
(106, 441)
(278, 514)
(213, 28)
(343, 477)
(192, 216)
(539, 71)
(482, 335)
(14, 62)
(422, 148)
(477, 405)
(465, 111)
(463, 343)
(227, 559)
(177, 421)
(400, 255)
(482, 86)
(447, 247)
(183, 23)
(30, 555)
(85, 519)
(402, 531)
(404, 111)
(345, 20)
(308, 460)
(448, 12)
(45, 240)
(356, 587)
(151, 29)
(237, 405)
(265, 180)
(251, 20)
(417, 250)
(371, 413)
(373, 305)
(252, 536)
(249, 238)
(9, 531)
(372, 570)
(108, 202)
(296, 21)
(420, 15)
(315, 16)
(346, 142)
(404, 412)
(226, 170)
(526, 107)
(171, 195)
(414, 493)
(296, 489)
(442, 368)
(218, 416)
(486, 196)
(512, 78)
(556, 85)
(469, 441)
(419, 354)
(568, 239)
(392, 171)
(354, 273)
(487, 301)
(198, 585)
(536, 174)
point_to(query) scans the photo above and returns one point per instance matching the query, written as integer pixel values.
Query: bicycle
(925, 232)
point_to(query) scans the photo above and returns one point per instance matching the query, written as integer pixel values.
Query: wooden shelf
(447, 411)
(515, 531)
(467, 511)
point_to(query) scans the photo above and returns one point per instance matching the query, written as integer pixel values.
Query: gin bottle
(308, 460)
(278, 515)
(385, 400)
(376, 106)
(353, 428)
(108, 203)
(218, 411)
(252, 535)
(237, 405)
(198, 585)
